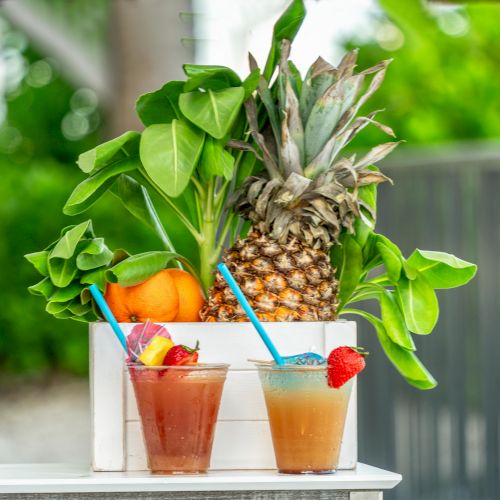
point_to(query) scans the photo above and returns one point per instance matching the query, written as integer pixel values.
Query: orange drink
(178, 406)
(306, 417)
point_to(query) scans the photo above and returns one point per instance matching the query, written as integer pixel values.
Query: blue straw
(106, 311)
(250, 312)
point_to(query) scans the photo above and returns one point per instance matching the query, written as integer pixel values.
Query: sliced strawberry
(182, 355)
(344, 363)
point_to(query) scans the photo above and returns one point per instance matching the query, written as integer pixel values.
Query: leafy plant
(371, 267)
(197, 150)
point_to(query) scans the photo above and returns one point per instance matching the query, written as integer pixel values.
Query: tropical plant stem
(208, 235)
(197, 236)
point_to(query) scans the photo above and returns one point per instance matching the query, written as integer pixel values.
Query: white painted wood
(66, 478)
(242, 438)
(107, 400)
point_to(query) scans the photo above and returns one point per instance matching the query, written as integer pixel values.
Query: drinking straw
(250, 312)
(106, 311)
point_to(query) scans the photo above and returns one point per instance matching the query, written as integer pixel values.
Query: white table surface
(66, 478)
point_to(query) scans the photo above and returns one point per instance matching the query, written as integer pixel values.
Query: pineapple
(307, 196)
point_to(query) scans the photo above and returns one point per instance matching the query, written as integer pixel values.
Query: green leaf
(215, 160)
(392, 262)
(285, 28)
(57, 308)
(251, 82)
(79, 309)
(100, 156)
(39, 261)
(394, 322)
(371, 255)
(160, 106)
(66, 294)
(406, 362)
(65, 247)
(348, 260)
(43, 288)
(213, 111)
(246, 167)
(92, 188)
(137, 201)
(62, 258)
(442, 270)
(140, 267)
(169, 153)
(419, 304)
(209, 77)
(95, 254)
(95, 277)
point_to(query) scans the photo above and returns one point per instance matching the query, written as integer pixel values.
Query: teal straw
(106, 311)
(250, 312)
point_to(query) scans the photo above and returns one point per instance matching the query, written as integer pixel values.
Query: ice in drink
(178, 406)
(306, 417)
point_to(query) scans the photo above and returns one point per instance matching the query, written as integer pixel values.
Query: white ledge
(67, 478)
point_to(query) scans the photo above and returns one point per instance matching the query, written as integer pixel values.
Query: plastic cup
(306, 417)
(178, 406)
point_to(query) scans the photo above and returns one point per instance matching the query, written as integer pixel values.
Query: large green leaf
(406, 362)
(92, 188)
(391, 257)
(442, 270)
(209, 77)
(95, 254)
(419, 304)
(285, 28)
(347, 258)
(43, 288)
(160, 106)
(215, 160)
(39, 260)
(169, 153)
(394, 322)
(137, 201)
(140, 267)
(115, 149)
(213, 111)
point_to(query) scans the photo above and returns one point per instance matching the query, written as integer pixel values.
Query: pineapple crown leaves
(312, 191)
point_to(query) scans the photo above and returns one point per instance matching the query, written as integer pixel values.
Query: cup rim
(196, 367)
(269, 366)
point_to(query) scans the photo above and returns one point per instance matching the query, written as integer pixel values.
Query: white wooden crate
(242, 437)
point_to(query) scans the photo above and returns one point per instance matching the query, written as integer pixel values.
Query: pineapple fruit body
(288, 281)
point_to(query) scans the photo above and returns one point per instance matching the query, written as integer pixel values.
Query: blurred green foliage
(443, 83)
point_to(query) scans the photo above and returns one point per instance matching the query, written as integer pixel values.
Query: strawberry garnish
(182, 355)
(344, 363)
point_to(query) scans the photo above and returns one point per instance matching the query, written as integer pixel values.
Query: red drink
(178, 406)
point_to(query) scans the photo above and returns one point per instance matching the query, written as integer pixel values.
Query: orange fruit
(156, 300)
(190, 294)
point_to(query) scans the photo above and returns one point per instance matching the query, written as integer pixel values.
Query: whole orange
(190, 295)
(156, 300)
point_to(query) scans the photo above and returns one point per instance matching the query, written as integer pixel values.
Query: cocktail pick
(250, 313)
(106, 311)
